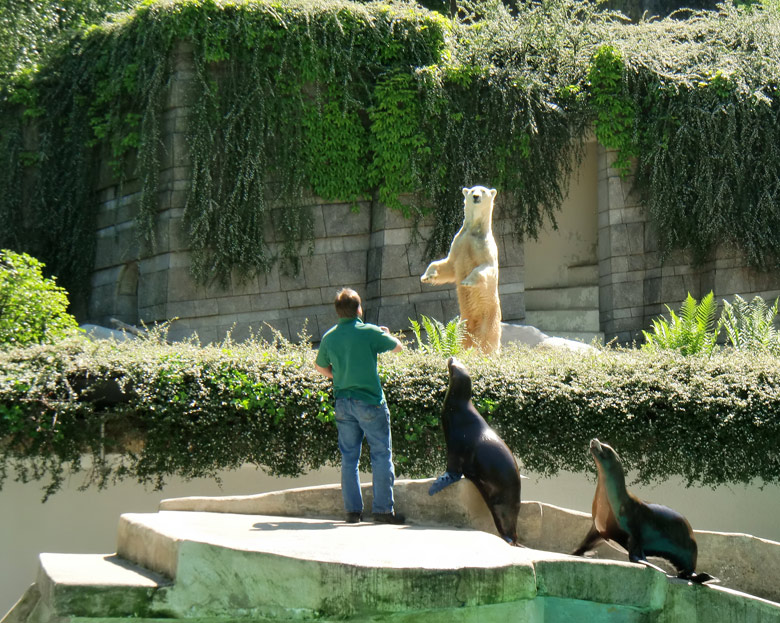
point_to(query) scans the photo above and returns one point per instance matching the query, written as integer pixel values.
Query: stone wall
(372, 249)
(636, 283)
(377, 252)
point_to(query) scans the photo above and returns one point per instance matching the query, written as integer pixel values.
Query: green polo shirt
(351, 348)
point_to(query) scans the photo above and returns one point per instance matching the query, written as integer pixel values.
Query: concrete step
(272, 567)
(576, 297)
(554, 321)
(87, 585)
(585, 275)
(238, 563)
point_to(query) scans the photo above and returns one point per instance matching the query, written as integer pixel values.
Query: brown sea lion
(640, 528)
(475, 451)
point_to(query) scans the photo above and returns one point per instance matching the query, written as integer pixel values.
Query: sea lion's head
(460, 381)
(606, 457)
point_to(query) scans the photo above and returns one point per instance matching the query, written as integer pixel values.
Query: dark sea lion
(475, 451)
(640, 528)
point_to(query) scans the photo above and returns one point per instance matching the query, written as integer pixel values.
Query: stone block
(511, 252)
(402, 285)
(618, 264)
(152, 288)
(417, 259)
(181, 150)
(395, 262)
(511, 274)
(304, 297)
(268, 300)
(513, 307)
(182, 286)
(618, 237)
(628, 294)
(234, 304)
(341, 220)
(433, 295)
(616, 195)
(400, 236)
(652, 291)
(450, 308)
(606, 297)
(150, 314)
(635, 238)
(359, 242)
(318, 221)
(431, 309)
(315, 271)
(303, 326)
(192, 309)
(395, 317)
(101, 303)
(510, 288)
(636, 262)
(374, 265)
(328, 246)
(347, 267)
(291, 281)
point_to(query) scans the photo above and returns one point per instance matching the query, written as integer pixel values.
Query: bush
(32, 307)
(149, 410)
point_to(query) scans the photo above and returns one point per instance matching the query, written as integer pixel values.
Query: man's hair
(347, 303)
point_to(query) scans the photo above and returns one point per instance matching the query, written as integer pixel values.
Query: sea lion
(642, 529)
(475, 451)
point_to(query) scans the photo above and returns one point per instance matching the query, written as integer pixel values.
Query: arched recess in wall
(126, 307)
(561, 266)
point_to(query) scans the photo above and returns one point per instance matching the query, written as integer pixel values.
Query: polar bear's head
(478, 204)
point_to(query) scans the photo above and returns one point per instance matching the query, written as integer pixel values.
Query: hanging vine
(311, 98)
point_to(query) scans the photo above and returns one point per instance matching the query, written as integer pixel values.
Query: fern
(693, 331)
(445, 340)
(750, 326)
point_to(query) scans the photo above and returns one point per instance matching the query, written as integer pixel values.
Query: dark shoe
(393, 518)
(353, 517)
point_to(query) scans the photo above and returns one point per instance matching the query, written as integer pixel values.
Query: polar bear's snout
(476, 197)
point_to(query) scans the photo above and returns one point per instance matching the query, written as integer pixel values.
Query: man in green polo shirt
(347, 354)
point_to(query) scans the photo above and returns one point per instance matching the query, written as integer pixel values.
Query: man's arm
(324, 371)
(398, 344)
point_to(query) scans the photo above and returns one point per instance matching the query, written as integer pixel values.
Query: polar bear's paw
(430, 275)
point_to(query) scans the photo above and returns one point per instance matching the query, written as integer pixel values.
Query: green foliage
(29, 29)
(401, 150)
(33, 309)
(148, 411)
(750, 325)
(615, 115)
(693, 332)
(302, 99)
(445, 341)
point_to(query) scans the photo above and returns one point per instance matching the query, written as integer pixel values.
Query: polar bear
(472, 264)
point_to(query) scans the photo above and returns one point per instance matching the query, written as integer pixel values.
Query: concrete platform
(222, 565)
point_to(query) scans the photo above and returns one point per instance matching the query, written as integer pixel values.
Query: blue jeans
(356, 419)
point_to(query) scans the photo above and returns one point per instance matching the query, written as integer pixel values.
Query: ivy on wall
(344, 101)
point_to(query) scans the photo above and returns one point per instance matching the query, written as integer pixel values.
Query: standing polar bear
(472, 264)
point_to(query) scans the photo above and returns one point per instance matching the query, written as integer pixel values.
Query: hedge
(148, 410)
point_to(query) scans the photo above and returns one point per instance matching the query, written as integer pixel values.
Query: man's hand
(324, 371)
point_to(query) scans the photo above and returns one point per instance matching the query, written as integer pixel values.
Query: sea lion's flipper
(699, 578)
(445, 480)
(651, 565)
(590, 541)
